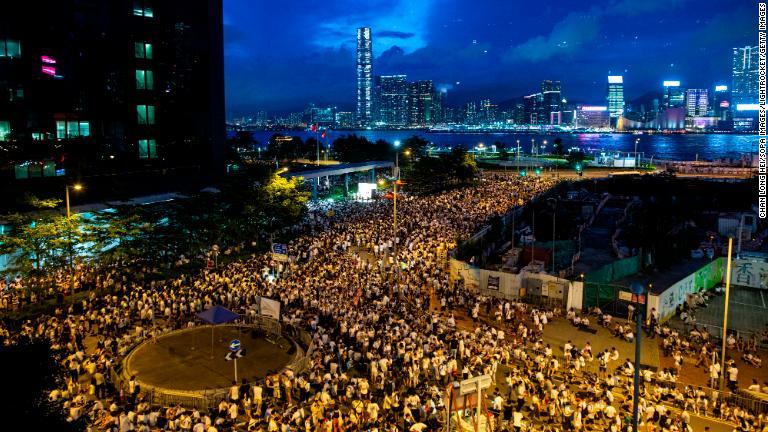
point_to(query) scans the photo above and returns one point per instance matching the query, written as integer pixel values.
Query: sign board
(365, 190)
(493, 282)
(270, 308)
(470, 385)
(234, 345)
(279, 248)
(625, 296)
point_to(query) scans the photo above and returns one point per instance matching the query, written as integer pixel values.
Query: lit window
(72, 129)
(145, 79)
(5, 130)
(142, 50)
(147, 149)
(145, 114)
(10, 48)
(143, 9)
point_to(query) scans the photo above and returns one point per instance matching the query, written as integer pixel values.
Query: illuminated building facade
(364, 77)
(592, 117)
(696, 102)
(421, 95)
(615, 98)
(674, 94)
(111, 88)
(551, 95)
(745, 75)
(392, 100)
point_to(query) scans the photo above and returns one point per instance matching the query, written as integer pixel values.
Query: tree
(352, 148)
(461, 165)
(575, 157)
(417, 145)
(557, 148)
(501, 147)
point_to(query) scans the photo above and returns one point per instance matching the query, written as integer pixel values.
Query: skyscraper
(615, 98)
(364, 77)
(721, 103)
(125, 90)
(552, 102)
(420, 103)
(745, 75)
(392, 100)
(533, 108)
(696, 102)
(674, 95)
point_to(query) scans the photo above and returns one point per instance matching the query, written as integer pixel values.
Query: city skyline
(479, 51)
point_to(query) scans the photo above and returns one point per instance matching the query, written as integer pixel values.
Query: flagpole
(317, 142)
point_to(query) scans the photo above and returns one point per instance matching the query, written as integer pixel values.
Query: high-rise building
(696, 102)
(345, 120)
(674, 94)
(392, 100)
(470, 113)
(420, 103)
(487, 111)
(533, 108)
(113, 88)
(721, 103)
(364, 77)
(592, 117)
(745, 75)
(615, 98)
(552, 101)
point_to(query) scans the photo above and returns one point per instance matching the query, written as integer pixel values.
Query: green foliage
(557, 148)
(432, 174)
(353, 148)
(417, 145)
(575, 158)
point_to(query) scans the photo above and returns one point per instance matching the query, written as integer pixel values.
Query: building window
(145, 80)
(5, 130)
(10, 48)
(147, 149)
(145, 114)
(143, 50)
(35, 169)
(143, 9)
(72, 129)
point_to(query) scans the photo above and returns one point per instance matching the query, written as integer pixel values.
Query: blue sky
(280, 56)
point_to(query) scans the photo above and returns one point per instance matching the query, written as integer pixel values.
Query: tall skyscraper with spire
(364, 77)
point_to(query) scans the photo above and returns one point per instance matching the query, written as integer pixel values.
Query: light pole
(638, 297)
(394, 216)
(518, 157)
(637, 140)
(725, 312)
(75, 187)
(554, 219)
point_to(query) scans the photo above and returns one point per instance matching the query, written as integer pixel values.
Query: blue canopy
(217, 315)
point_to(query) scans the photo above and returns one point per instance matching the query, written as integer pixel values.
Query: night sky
(281, 55)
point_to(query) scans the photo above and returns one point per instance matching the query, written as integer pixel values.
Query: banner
(270, 308)
(493, 282)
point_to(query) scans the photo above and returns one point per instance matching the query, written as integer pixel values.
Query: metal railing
(207, 399)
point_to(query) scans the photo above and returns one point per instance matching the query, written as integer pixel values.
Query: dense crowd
(390, 333)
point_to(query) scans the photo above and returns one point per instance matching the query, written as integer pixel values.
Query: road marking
(750, 305)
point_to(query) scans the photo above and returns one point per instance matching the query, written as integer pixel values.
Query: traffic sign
(234, 355)
(280, 248)
(234, 345)
(471, 385)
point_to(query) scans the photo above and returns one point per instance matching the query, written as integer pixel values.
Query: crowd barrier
(209, 399)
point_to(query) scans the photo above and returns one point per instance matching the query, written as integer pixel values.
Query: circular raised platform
(185, 359)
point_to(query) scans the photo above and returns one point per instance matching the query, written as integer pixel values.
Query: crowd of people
(390, 333)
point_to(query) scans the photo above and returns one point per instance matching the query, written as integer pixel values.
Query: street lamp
(76, 187)
(638, 297)
(637, 141)
(394, 215)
